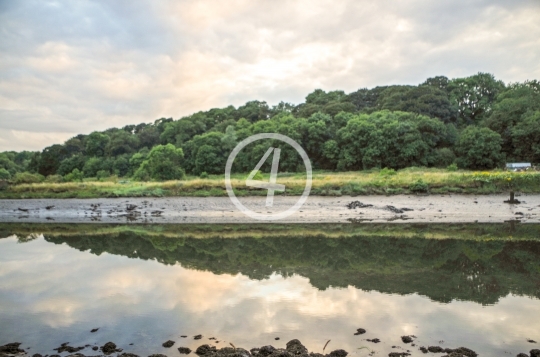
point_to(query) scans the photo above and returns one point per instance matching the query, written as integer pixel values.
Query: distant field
(389, 182)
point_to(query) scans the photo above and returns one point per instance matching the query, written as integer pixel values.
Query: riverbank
(377, 182)
(346, 209)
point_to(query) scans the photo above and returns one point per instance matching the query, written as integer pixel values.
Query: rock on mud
(109, 347)
(168, 344)
(535, 353)
(360, 331)
(184, 350)
(357, 204)
(406, 339)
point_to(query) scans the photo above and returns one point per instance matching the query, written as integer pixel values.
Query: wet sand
(317, 209)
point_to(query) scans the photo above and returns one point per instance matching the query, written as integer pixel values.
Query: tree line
(477, 122)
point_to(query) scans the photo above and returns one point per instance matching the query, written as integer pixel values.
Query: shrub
(54, 178)
(387, 172)
(27, 177)
(203, 175)
(4, 174)
(102, 174)
(452, 167)
(419, 186)
(75, 175)
(479, 148)
(444, 157)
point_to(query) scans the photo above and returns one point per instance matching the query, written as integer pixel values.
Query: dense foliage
(476, 122)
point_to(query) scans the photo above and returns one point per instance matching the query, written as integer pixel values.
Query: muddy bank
(396, 209)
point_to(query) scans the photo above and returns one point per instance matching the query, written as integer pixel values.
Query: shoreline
(317, 209)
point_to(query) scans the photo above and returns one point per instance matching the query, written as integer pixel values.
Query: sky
(71, 67)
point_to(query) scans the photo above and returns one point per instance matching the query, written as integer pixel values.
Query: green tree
(92, 166)
(526, 138)
(4, 174)
(474, 96)
(479, 148)
(162, 163)
(96, 144)
(51, 157)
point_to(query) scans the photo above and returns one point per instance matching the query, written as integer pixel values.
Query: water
(469, 285)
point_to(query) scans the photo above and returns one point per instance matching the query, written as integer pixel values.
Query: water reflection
(142, 287)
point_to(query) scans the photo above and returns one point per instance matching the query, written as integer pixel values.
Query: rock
(49, 207)
(393, 209)
(130, 207)
(266, 350)
(23, 209)
(522, 355)
(405, 209)
(338, 353)
(277, 338)
(423, 349)
(435, 349)
(197, 337)
(205, 350)
(535, 353)
(296, 348)
(128, 355)
(406, 339)
(168, 344)
(94, 330)
(360, 331)
(11, 348)
(398, 354)
(157, 355)
(357, 204)
(531, 341)
(184, 350)
(38, 355)
(109, 348)
(65, 348)
(375, 340)
(95, 348)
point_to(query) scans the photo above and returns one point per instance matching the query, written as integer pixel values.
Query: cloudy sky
(69, 67)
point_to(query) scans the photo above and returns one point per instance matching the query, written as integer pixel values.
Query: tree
(163, 163)
(479, 148)
(4, 174)
(51, 157)
(526, 138)
(510, 109)
(389, 139)
(96, 144)
(474, 96)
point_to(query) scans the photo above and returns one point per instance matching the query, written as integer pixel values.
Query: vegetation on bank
(506, 231)
(386, 181)
(473, 123)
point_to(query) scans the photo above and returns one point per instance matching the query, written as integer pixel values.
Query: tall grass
(411, 180)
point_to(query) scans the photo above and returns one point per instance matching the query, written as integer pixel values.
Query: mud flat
(317, 209)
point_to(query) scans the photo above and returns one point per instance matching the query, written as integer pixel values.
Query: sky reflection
(50, 294)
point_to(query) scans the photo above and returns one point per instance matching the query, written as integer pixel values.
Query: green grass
(407, 181)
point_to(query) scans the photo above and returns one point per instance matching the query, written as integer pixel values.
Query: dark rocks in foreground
(457, 352)
(294, 348)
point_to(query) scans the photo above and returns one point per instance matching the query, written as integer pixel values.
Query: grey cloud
(74, 67)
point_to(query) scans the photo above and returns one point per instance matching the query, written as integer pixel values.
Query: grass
(387, 182)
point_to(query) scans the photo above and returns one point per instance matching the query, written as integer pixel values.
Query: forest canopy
(477, 122)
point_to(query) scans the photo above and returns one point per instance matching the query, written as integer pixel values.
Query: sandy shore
(433, 208)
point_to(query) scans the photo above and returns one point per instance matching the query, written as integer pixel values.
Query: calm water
(480, 289)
